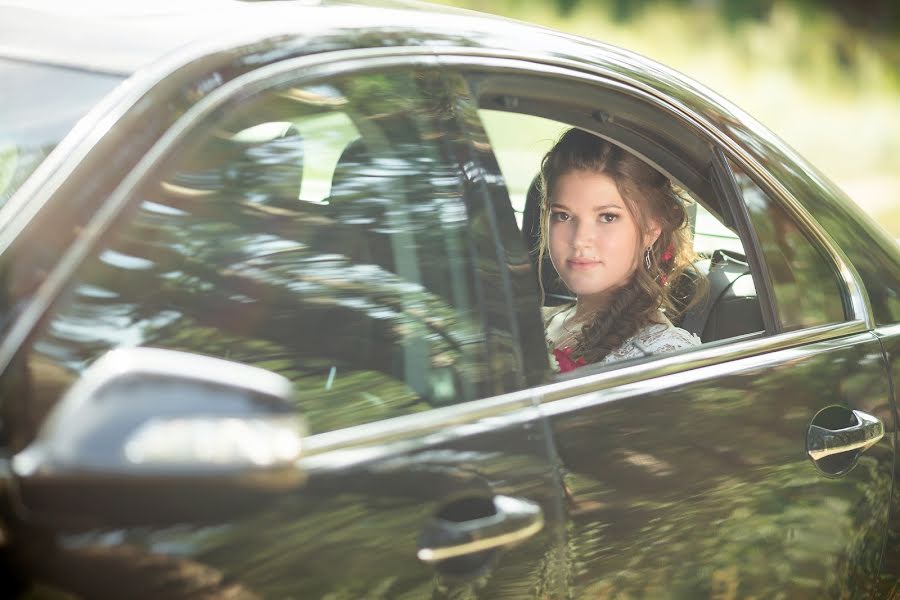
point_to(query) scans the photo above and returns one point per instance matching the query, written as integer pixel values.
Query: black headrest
(352, 160)
(555, 292)
(263, 162)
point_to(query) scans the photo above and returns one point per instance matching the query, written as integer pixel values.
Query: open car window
(731, 307)
(522, 118)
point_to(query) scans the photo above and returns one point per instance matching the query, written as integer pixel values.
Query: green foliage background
(824, 75)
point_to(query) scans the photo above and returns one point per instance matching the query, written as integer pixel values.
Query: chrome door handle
(514, 520)
(821, 442)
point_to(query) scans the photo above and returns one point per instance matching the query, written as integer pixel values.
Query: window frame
(536, 80)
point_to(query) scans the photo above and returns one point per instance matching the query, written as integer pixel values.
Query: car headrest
(263, 163)
(352, 161)
(555, 292)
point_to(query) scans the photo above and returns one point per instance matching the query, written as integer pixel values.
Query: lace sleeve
(655, 339)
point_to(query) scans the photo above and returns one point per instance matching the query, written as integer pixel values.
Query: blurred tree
(879, 18)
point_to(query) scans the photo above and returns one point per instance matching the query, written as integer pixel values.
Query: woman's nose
(583, 234)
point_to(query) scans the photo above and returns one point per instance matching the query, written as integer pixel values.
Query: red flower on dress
(564, 359)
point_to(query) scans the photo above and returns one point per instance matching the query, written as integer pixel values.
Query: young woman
(616, 232)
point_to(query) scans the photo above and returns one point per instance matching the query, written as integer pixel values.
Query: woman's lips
(580, 264)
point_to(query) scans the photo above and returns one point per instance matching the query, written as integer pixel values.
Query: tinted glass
(807, 292)
(38, 106)
(272, 241)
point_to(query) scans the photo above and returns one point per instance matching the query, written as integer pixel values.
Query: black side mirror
(151, 435)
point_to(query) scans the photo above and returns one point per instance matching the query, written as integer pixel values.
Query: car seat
(260, 164)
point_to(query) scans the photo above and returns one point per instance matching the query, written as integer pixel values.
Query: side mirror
(151, 435)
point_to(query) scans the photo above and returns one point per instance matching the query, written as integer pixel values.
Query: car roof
(150, 38)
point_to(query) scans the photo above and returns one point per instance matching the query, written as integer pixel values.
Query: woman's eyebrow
(598, 208)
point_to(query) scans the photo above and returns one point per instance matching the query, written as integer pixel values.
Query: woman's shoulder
(664, 337)
(550, 312)
(656, 338)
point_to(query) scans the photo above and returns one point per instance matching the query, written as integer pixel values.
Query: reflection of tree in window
(365, 301)
(805, 288)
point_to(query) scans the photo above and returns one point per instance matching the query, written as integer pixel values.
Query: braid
(631, 308)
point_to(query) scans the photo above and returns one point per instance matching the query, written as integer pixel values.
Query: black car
(271, 325)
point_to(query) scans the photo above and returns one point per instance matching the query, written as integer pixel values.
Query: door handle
(514, 520)
(822, 442)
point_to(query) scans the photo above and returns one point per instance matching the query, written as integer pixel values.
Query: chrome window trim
(856, 291)
(481, 58)
(408, 433)
(885, 331)
(560, 400)
(342, 448)
(316, 66)
(721, 354)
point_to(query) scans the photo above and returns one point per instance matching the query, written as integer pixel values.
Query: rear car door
(322, 222)
(690, 475)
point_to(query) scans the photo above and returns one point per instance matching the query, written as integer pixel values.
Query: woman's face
(594, 240)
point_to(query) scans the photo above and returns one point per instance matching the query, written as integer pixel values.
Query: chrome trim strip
(559, 399)
(315, 67)
(888, 330)
(479, 57)
(721, 355)
(372, 441)
(407, 433)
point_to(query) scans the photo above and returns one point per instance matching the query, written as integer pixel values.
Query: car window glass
(806, 289)
(34, 116)
(364, 298)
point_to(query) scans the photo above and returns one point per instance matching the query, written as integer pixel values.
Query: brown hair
(652, 200)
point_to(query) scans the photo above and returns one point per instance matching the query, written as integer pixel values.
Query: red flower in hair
(669, 253)
(665, 259)
(564, 359)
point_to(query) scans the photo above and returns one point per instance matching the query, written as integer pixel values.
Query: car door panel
(889, 575)
(352, 530)
(698, 484)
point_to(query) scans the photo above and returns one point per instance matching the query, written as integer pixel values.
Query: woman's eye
(608, 217)
(559, 217)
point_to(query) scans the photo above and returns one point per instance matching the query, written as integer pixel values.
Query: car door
(300, 249)
(702, 473)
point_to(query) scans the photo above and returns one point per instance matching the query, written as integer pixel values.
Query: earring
(647, 258)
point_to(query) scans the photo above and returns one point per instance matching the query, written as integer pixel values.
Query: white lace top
(655, 338)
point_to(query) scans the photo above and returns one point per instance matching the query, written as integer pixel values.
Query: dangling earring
(647, 258)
